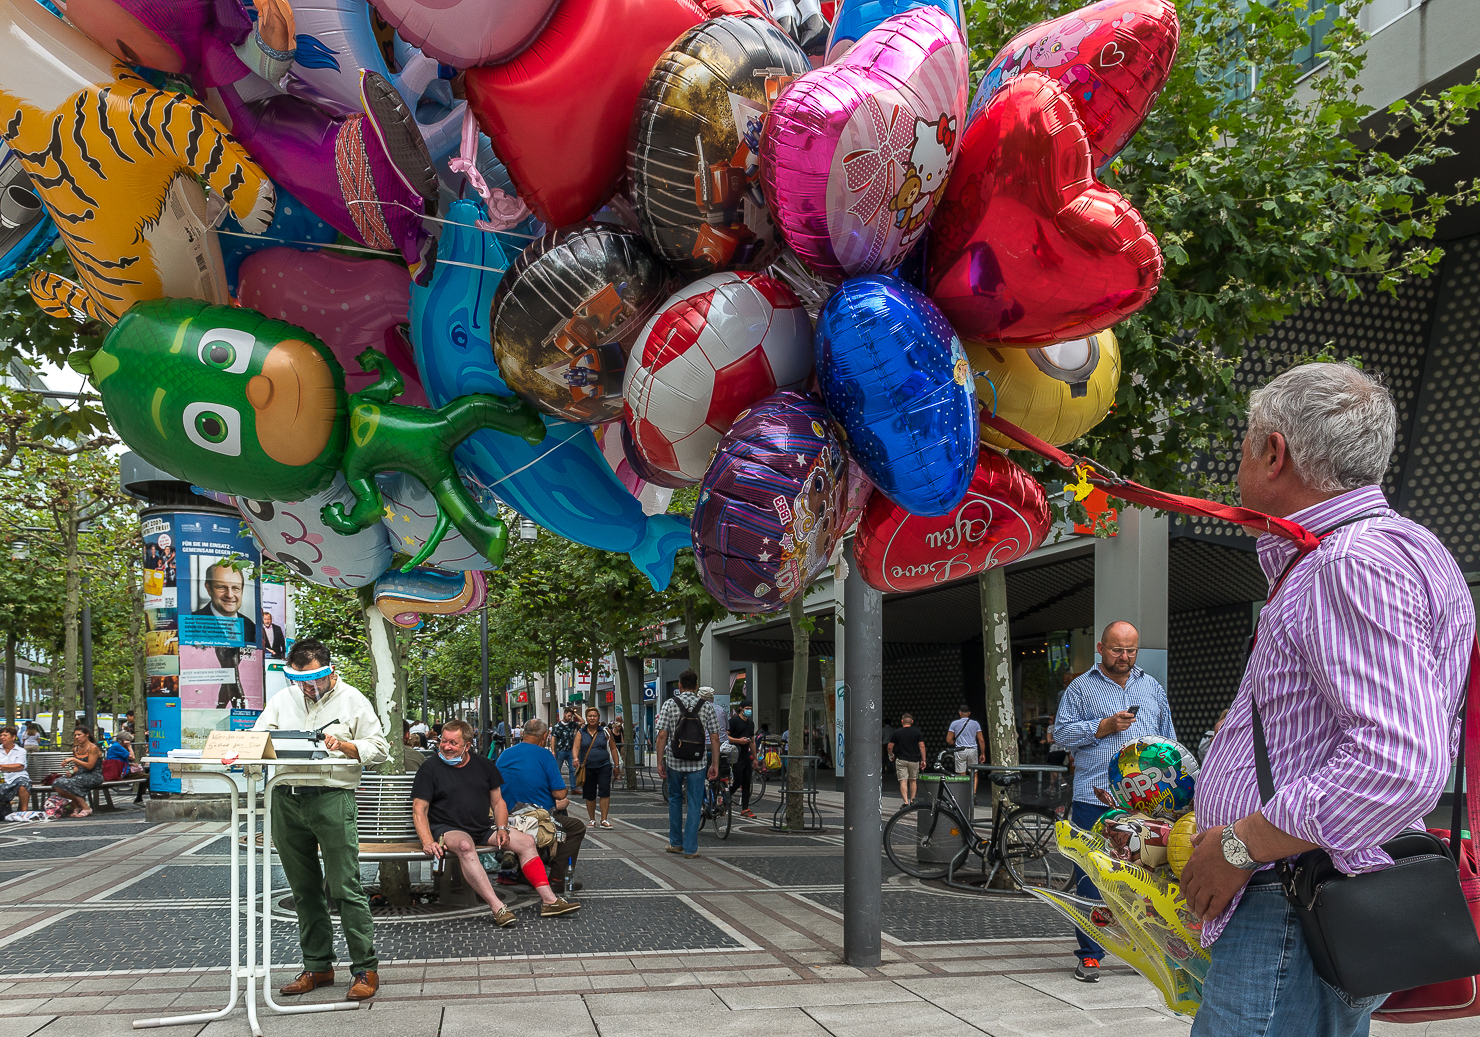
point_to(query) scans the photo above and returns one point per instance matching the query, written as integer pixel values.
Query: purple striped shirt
(1359, 671)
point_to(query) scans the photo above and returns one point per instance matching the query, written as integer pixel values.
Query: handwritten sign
(246, 745)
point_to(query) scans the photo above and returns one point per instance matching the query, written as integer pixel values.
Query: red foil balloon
(1112, 57)
(558, 113)
(1027, 248)
(1004, 516)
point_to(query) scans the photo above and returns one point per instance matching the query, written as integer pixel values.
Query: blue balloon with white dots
(894, 375)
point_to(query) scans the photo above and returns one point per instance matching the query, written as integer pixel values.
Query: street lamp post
(89, 703)
(424, 712)
(485, 707)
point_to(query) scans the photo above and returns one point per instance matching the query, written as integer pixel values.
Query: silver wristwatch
(1235, 852)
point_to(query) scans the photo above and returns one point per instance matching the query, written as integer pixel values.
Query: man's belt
(310, 790)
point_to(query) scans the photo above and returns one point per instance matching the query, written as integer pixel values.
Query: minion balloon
(233, 401)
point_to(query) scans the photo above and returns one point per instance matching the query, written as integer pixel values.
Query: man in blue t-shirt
(532, 777)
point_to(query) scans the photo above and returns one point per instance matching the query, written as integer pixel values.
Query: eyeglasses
(1127, 652)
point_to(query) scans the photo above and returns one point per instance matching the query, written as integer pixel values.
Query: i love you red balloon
(1027, 247)
(1003, 516)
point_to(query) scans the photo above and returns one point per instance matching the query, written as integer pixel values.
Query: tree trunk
(629, 725)
(801, 643)
(1000, 721)
(388, 678)
(693, 632)
(829, 679)
(550, 688)
(66, 706)
(10, 681)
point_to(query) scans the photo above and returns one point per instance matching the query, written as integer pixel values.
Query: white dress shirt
(354, 720)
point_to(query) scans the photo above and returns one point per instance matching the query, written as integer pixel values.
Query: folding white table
(263, 775)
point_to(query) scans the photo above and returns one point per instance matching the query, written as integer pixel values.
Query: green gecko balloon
(231, 400)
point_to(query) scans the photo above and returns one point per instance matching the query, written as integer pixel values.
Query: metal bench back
(40, 763)
(384, 805)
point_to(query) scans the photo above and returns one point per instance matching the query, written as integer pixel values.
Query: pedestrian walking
(1107, 706)
(1356, 680)
(314, 815)
(965, 736)
(742, 736)
(688, 750)
(907, 752)
(562, 743)
(598, 764)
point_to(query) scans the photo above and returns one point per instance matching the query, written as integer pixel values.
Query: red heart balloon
(1027, 248)
(558, 113)
(1112, 57)
(1003, 516)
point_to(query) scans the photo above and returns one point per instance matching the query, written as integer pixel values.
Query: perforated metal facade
(1205, 661)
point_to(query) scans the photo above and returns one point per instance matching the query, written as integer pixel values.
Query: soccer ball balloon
(718, 346)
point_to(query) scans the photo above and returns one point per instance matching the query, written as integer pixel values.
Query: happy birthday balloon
(1156, 776)
(1056, 392)
(893, 373)
(855, 156)
(1027, 247)
(770, 509)
(1112, 58)
(566, 316)
(1003, 516)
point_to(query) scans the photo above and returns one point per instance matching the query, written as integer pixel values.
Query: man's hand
(501, 837)
(713, 771)
(662, 769)
(343, 745)
(432, 847)
(1115, 723)
(1208, 880)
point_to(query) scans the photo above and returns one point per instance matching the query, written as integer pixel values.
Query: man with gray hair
(1355, 680)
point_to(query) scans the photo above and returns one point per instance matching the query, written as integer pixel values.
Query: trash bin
(942, 845)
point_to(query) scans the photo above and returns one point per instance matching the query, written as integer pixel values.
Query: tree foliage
(1269, 190)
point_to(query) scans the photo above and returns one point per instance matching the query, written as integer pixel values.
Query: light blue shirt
(1090, 699)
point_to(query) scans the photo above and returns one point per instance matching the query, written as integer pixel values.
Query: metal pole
(863, 701)
(485, 707)
(89, 705)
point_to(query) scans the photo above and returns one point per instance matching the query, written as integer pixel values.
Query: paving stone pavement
(112, 919)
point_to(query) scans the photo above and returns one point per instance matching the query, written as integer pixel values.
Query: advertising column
(205, 628)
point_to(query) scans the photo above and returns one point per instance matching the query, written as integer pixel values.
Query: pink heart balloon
(855, 155)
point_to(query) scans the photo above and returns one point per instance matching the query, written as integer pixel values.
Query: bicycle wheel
(725, 818)
(758, 787)
(919, 832)
(1030, 851)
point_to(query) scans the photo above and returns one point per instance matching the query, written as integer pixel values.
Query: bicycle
(1021, 837)
(717, 805)
(763, 775)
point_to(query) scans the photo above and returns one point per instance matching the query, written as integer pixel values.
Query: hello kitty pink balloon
(855, 155)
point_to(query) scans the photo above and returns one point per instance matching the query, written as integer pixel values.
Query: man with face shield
(315, 814)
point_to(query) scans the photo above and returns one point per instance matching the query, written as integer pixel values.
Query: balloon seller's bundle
(565, 256)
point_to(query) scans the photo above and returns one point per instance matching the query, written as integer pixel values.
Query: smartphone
(1133, 710)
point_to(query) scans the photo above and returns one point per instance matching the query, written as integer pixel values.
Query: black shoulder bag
(1379, 931)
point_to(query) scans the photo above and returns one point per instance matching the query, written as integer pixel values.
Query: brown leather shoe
(307, 981)
(364, 986)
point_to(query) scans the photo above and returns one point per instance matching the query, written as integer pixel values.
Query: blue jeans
(1084, 816)
(1262, 983)
(565, 763)
(684, 831)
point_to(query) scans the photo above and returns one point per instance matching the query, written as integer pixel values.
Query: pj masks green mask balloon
(236, 402)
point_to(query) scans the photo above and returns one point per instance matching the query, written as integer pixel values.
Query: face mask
(451, 761)
(746, 714)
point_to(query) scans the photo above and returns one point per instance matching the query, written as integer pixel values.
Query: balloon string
(438, 219)
(988, 377)
(356, 248)
(536, 461)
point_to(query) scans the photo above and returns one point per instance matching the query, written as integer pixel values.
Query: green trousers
(302, 827)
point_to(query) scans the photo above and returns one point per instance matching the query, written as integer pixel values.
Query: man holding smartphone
(1109, 704)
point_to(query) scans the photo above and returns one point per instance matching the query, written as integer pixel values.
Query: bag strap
(1469, 761)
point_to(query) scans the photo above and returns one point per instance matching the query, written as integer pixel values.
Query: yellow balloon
(1179, 843)
(1056, 392)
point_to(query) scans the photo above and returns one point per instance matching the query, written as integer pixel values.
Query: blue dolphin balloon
(564, 483)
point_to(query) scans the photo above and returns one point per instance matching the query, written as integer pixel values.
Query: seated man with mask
(532, 776)
(457, 806)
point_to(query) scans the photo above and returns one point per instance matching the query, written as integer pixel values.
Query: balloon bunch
(597, 250)
(1134, 855)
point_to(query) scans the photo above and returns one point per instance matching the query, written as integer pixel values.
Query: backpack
(689, 735)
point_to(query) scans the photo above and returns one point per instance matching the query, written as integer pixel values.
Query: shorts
(905, 770)
(964, 758)
(480, 838)
(598, 782)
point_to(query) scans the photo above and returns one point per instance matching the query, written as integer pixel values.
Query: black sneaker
(395, 127)
(1088, 970)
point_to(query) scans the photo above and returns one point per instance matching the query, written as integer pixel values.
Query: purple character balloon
(369, 174)
(772, 504)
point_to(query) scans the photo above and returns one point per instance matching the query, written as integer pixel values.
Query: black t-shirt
(459, 796)
(742, 728)
(906, 742)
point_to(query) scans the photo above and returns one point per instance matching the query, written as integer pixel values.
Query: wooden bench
(40, 763)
